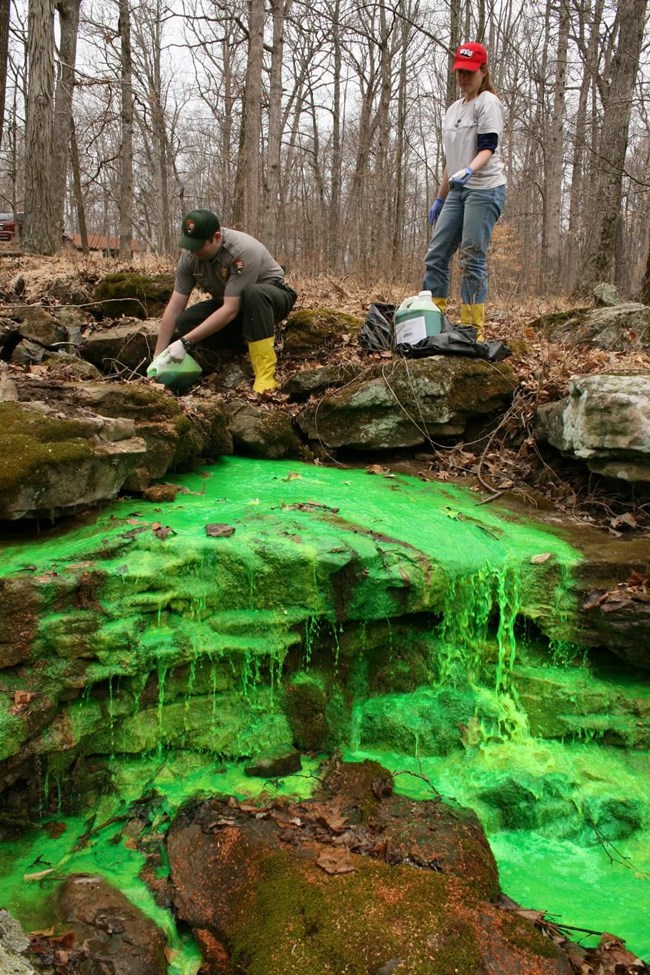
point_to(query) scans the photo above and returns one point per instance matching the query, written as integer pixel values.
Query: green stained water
(597, 883)
(27, 888)
(315, 552)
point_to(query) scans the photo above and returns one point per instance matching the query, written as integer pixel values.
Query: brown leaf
(625, 519)
(162, 531)
(54, 829)
(334, 861)
(542, 557)
(217, 530)
(21, 698)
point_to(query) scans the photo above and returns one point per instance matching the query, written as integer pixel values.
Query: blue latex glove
(460, 178)
(434, 210)
(174, 352)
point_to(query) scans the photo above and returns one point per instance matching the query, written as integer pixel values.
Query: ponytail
(486, 84)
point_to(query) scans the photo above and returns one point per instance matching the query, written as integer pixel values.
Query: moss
(30, 441)
(355, 922)
(305, 704)
(135, 295)
(523, 934)
(311, 328)
(130, 399)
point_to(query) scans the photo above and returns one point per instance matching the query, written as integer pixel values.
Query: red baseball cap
(470, 57)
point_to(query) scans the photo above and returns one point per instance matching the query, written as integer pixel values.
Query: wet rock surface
(356, 880)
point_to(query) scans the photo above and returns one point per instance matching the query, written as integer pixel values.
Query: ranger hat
(198, 226)
(470, 57)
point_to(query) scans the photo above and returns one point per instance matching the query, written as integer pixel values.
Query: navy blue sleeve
(488, 140)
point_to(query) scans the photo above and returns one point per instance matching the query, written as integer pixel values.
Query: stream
(157, 648)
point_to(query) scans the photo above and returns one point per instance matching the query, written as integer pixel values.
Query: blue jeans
(466, 221)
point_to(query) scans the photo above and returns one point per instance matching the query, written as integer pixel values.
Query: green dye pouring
(396, 604)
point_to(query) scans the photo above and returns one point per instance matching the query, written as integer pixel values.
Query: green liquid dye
(191, 602)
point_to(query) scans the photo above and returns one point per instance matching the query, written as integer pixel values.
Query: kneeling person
(247, 287)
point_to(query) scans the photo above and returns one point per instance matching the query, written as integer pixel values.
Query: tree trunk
(39, 232)
(247, 182)
(271, 193)
(555, 158)
(69, 26)
(334, 255)
(454, 42)
(126, 154)
(4, 51)
(599, 257)
(76, 186)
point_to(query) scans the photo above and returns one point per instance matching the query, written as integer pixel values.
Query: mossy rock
(314, 329)
(30, 441)
(134, 295)
(305, 705)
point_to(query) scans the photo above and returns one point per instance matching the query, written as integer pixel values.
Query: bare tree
(68, 11)
(39, 228)
(4, 54)
(617, 90)
(247, 180)
(126, 148)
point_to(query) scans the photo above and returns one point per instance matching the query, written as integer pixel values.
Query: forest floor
(500, 459)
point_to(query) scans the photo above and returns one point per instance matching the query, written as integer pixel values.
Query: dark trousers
(262, 307)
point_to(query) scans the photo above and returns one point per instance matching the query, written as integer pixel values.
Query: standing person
(247, 287)
(471, 200)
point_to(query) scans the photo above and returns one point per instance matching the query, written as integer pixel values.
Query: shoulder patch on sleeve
(238, 266)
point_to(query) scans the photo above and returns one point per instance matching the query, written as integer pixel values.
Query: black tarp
(378, 335)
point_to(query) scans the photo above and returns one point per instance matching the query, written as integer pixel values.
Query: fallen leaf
(162, 531)
(334, 861)
(542, 557)
(23, 697)
(217, 530)
(625, 519)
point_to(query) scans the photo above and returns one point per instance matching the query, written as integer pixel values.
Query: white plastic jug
(177, 376)
(416, 318)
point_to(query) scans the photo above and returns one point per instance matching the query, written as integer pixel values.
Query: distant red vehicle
(8, 224)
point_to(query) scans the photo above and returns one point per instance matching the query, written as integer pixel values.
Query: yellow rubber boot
(263, 358)
(473, 315)
(478, 320)
(441, 303)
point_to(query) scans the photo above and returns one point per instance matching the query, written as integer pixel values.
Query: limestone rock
(262, 432)
(310, 380)
(126, 293)
(403, 403)
(66, 445)
(55, 465)
(604, 421)
(120, 938)
(606, 295)
(121, 349)
(623, 328)
(14, 947)
(314, 329)
(63, 365)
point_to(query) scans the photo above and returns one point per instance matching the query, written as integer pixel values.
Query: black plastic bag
(378, 331)
(378, 335)
(454, 340)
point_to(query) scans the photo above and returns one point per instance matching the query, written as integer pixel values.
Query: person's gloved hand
(461, 177)
(434, 210)
(175, 352)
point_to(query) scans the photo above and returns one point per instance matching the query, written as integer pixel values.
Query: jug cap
(423, 294)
